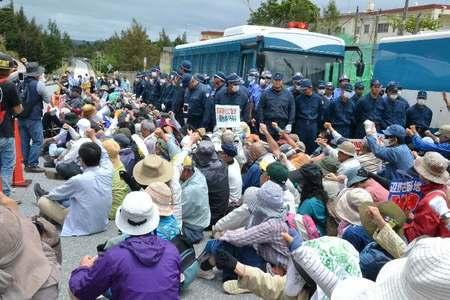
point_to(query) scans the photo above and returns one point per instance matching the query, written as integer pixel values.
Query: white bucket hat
(423, 274)
(348, 203)
(137, 215)
(83, 125)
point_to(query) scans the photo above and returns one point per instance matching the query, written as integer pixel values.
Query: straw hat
(433, 167)
(423, 274)
(137, 215)
(162, 197)
(349, 202)
(152, 168)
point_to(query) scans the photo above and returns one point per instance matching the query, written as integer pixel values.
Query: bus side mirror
(359, 68)
(260, 61)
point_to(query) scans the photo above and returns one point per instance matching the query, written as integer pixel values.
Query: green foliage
(329, 23)
(414, 24)
(279, 13)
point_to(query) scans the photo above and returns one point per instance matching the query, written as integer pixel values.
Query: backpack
(22, 91)
(190, 266)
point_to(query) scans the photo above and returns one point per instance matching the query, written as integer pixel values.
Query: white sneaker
(208, 275)
(231, 287)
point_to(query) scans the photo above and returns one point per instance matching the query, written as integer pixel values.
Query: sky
(99, 19)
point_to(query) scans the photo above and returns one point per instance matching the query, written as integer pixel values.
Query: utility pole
(375, 35)
(405, 12)
(355, 33)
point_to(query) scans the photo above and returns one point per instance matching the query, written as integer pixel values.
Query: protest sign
(228, 116)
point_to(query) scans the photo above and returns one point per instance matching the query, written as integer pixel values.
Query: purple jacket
(145, 267)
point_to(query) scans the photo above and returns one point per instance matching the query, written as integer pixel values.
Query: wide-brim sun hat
(348, 203)
(423, 274)
(347, 148)
(152, 168)
(433, 167)
(137, 215)
(162, 197)
(390, 212)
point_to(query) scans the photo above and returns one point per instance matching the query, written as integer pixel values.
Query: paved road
(75, 247)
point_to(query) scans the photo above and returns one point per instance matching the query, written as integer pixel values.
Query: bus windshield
(314, 67)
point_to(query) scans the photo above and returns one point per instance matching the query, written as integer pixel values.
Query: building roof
(400, 9)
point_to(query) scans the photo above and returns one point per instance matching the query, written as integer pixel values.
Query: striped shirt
(266, 238)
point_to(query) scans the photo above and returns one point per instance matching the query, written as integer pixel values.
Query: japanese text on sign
(228, 116)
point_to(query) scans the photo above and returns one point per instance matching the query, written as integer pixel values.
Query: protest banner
(228, 116)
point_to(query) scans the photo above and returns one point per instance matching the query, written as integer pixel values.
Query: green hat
(391, 213)
(278, 173)
(328, 164)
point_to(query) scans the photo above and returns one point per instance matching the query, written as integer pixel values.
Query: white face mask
(421, 101)
(399, 92)
(154, 74)
(152, 81)
(347, 95)
(235, 88)
(162, 81)
(393, 96)
(321, 91)
(262, 82)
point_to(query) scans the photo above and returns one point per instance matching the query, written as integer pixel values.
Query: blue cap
(359, 85)
(321, 84)
(344, 77)
(375, 82)
(155, 69)
(278, 76)
(253, 72)
(329, 84)
(220, 75)
(297, 76)
(422, 95)
(348, 87)
(395, 130)
(306, 83)
(266, 74)
(186, 79)
(199, 77)
(392, 86)
(233, 78)
(186, 65)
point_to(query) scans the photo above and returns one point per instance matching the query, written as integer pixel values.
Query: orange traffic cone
(18, 179)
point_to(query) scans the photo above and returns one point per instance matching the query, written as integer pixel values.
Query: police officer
(155, 95)
(343, 81)
(196, 102)
(308, 115)
(185, 67)
(370, 107)
(295, 88)
(264, 84)
(321, 89)
(329, 91)
(252, 78)
(359, 92)
(419, 114)
(341, 113)
(395, 106)
(178, 97)
(218, 83)
(146, 89)
(234, 94)
(277, 105)
(167, 91)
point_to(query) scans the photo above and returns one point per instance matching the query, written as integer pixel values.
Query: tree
(279, 13)
(180, 40)
(330, 21)
(415, 23)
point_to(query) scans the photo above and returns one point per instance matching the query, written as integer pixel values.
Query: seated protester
(296, 156)
(227, 155)
(125, 269)
(67, 164)
(148, 128)
(350, 227)
(263, 233)
(162, 198)
(368, 160)
(335, 254)
(313, 197)
(127, 155)
(432, 169)
(345, 153)
(196, 214)
(256, 153)
(328, 165)
(279, 173)
(216, 174)
(422, 274)
(89, 111)
(119, 187)
(82, 203)
(395, 153)
(358, 179)
(442, 147)
(25, 271)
